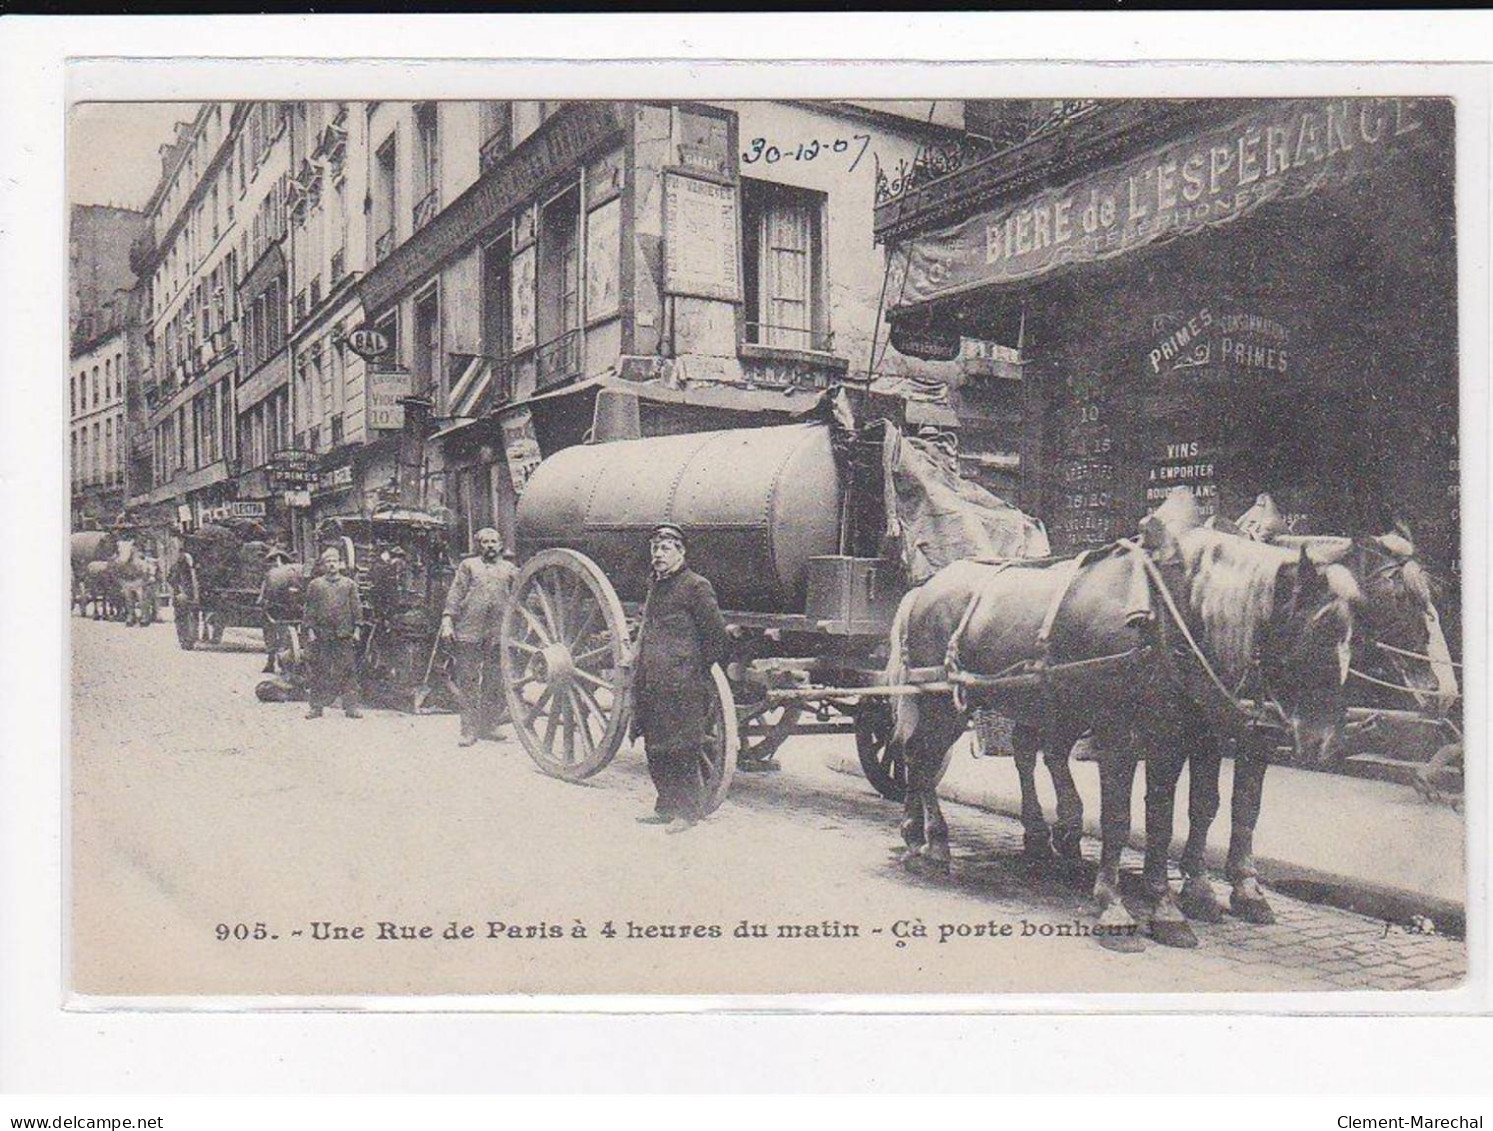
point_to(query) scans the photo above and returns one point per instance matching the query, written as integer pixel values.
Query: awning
(471, 387)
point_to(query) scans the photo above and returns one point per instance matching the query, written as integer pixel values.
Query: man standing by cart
(333, 610)
(471, 623)
(682, 636)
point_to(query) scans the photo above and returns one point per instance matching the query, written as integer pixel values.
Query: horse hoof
(1173, 932)
(1199, 903)
(1256, 911)
(1121, 940)
(1037, 849)
(1069, 846)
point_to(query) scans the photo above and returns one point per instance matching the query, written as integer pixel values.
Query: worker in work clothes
(330, 622)
(470, 625)
(681, 637)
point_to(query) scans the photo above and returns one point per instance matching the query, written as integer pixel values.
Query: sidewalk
(1374, 847)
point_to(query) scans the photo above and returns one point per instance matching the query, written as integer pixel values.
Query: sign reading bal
(368, 343)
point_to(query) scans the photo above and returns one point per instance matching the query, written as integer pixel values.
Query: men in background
(330, 622)
(681, 637)
(471, 623)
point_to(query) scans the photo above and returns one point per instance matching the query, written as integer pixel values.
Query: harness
(1038, 671)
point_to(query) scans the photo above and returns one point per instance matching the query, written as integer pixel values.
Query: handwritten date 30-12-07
(760, 149)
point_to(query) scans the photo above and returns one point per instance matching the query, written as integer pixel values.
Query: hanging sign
(1283, 151)
(931, 343)
(385, 388)
(368, 343)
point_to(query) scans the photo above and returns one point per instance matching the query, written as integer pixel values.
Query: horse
(132, 577)
(86, 547)
(281, 597)
(1089, 653)
(1398, 651)
(100, 591)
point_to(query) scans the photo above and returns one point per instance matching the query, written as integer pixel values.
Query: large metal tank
(755, 505)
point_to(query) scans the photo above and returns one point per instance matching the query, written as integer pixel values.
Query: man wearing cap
(333, 610)
(470, 624)
(681, 637)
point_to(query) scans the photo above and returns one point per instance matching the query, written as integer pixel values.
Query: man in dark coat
(330, 622)
(682, 636)
(471, 624)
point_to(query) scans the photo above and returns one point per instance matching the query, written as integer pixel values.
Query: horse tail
(905, 707)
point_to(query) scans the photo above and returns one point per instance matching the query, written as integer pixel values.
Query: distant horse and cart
(112, 577)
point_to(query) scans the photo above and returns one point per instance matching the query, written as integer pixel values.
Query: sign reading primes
(1281, 151)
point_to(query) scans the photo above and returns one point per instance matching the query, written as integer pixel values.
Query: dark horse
(1111, 643)
(1399, 659)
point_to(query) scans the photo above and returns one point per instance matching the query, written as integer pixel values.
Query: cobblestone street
(200, 814)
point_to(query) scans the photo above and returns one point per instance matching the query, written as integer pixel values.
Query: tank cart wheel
(212, 628)
(565, 664)
(884, 767)
(718, 758)
(764, 728)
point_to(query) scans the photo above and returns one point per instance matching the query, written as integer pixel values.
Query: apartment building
(102, 323)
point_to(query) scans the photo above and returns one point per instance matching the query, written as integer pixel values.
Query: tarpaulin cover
(939, 517)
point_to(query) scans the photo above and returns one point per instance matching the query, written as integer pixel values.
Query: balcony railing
(383, 246)
(558, 359)
(425, 211)
(789, 337)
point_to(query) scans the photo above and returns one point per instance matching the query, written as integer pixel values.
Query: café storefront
(1262, 299)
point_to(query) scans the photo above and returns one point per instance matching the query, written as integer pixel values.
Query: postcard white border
(1027, 1046)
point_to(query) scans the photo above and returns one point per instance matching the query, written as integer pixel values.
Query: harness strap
(1044, 634)
(1154, 573)
(1418, 692)
(1413, 655)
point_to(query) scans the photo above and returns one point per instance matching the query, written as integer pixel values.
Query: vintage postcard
(721, 546)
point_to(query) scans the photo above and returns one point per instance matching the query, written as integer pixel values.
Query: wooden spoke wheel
(718, 757)
(565, 659)
(883, 765)
(764, 728)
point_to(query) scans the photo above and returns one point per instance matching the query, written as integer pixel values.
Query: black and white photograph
(764, 546)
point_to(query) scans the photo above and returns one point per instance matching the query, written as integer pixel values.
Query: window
(72, 402)
(118, 375)
(497, 299)
(73, 436)
(109, 449)
(497, 132)
(96, 456)
(427, 170)
(108, 378)
(557, 301)
(427, 358)
(384, 200)
(782, 231)
(95, 398)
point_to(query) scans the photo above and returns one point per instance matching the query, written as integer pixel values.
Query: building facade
(355, 304)
(102, 324)
(1232, 296)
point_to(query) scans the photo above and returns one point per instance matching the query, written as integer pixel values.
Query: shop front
(1264, 303)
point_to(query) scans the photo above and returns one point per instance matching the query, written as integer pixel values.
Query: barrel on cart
(216, 580)
(810, 534)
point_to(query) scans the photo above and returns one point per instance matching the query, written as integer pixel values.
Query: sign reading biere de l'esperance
(1281, 152)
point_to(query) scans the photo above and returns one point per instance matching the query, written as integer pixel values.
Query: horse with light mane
(1100, 643)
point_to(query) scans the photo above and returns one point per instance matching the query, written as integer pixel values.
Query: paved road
(199, 811)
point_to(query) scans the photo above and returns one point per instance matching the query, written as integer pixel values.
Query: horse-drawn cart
(401, 562)
(810, 534)
(215, 583)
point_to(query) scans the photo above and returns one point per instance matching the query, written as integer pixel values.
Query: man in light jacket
(470, 625)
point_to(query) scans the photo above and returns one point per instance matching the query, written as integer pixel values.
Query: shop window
(427, 356)
(384, 186)
(783, 237)
(558, 303)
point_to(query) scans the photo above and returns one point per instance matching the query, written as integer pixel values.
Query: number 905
(242, 932)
